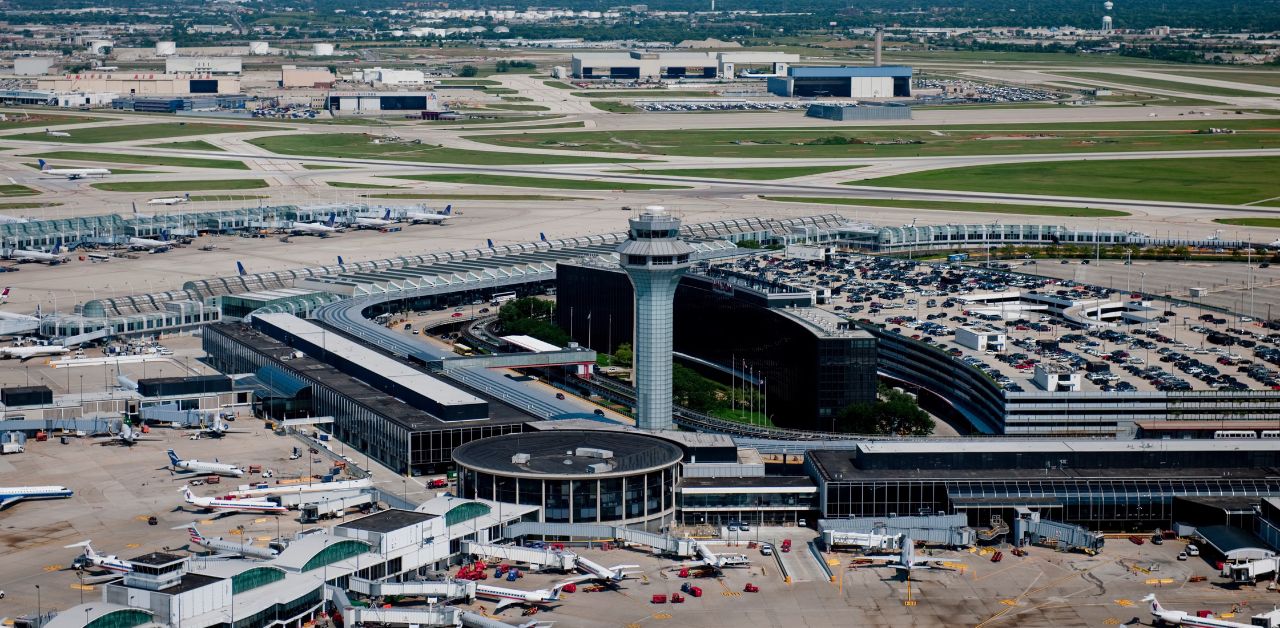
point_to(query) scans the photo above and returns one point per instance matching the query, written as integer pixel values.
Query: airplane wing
(9, 501)
(576, 580)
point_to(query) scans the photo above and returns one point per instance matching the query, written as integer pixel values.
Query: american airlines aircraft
(193, 465)
(232, 505)
(14, 494)
(431, 218)
(218, 544)
(507, 596)
(71, 173)
(908, 562)
(316, 228)
(26, 353)
(1182, 618)
(90, 559)
(127, 437)
(373, 223)
(170, 200)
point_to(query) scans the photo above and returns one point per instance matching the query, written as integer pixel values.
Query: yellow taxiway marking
(1111, 621)
(1009, 602)
(134, 545)
(662, 616)
(52, 567)
(1124, 602)
(82, 587)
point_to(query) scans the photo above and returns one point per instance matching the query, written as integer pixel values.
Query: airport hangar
(646, 65)
(885, 81)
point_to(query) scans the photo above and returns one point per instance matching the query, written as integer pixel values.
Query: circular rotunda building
(607, 477)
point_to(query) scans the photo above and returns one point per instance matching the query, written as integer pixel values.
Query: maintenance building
(886, 81)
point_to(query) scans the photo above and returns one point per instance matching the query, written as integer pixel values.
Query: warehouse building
(366, 102)
(611, 477)
(294, 76)
(384, 427)
(861, 111)
(33, 66)
(887, 81)
(651, 66)
(141, 84)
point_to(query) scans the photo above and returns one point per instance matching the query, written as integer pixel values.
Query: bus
(502, 297)
(462, 349)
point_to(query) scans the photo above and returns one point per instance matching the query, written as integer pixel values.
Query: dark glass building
(809, 363)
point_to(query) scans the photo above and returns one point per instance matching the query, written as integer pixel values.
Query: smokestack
(879, 45)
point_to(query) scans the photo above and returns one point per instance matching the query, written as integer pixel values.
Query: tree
(895, 413)
(468, 71)
(622, 355)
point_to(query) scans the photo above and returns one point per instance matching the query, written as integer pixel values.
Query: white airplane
(26, 353)
(216, 468)
(56, 133)
(8, 220)
(1183, 618)
(719, 561)
(71, 173)
(14, 494)
(169, 200)
(908, 562)
(431, 218)
(149, 244)
(315, 228)
(507, 596)
(362, 222)
(296, 489)
(127, 437)
(90, 559)
(596, 571)
(1276, 243)
(217, 430)
(231, 505)
(52, 258)
(218, 544)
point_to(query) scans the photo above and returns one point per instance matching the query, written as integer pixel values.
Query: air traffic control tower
(655, 258)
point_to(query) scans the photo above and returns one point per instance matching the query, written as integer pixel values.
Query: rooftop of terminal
(568, 453)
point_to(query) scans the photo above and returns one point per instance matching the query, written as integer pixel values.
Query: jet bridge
(536, 558)
(445, 590)
(684, 548)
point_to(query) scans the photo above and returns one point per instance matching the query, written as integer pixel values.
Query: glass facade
(640, 497)
(127, 618)
(334, 552)
(254, 578)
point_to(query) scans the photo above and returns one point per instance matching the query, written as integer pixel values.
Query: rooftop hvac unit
(599, 467)
(520, 459)
(593, 452)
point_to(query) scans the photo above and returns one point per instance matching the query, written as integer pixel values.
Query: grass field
(613, 106)
(1011, 139)
(189, 145)
(131, 132)
(469, 81)
(358, 146)
(1220, 180)
(538, 182)
(1175, 86)
(1270, 223)
(360, 186)
(28, 120)
(1271, 79)
(558, 85)
(748, 174)
(180, 186)
(476, 197)
(30, 205)
(13, 189)
(957, 206)
(147, 160)
(517, 107)
(215, 198)
(533, 127)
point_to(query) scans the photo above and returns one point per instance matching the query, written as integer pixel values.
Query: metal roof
(1234, 543)
(555, 453)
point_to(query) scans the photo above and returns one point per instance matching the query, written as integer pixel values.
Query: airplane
(489, 242)
(138, 214)
(14, 494)
(90, 559)
(1183, 618)
(719, 561)
(215, 468)
(170, 200)
(26, 353)
(127, 437)
(232, 505)
(52, 258)
(218, 544)
(596, 571)
(507, 596)
(373, 223)
(315, 228)
(148, 244)
(297, 489)
(6, 220)
(217, 430)
(431, 218)
(1276, 243)
(71, 173)
(56, 133)
(908, 562)
(4, 296)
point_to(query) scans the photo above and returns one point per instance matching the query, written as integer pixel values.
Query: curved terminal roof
(568, 454)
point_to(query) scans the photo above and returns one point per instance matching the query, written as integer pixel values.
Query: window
(254, 578)
(335, 552)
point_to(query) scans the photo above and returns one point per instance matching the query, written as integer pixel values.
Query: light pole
(39, 608)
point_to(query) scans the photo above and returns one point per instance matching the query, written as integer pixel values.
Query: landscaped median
(146, 160)
(180, 186)
(360, 146)
(957, 206)
(539, 182)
